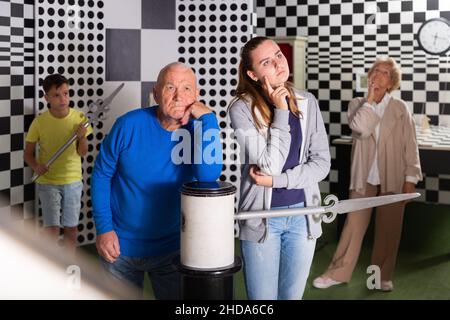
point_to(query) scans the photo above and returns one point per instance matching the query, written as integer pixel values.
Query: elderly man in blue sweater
(137, 177)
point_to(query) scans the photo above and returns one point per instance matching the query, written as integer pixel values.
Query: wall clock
(434, 36)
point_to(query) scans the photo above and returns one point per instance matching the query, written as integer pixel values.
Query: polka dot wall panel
(16, 106)
(344, 39)
(210, 36)
(71, 41)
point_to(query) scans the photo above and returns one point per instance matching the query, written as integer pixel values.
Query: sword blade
(56, 154)
(110, 98)
(337, 207)
(352, 205)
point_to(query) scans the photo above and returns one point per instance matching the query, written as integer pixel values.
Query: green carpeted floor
(423, 264)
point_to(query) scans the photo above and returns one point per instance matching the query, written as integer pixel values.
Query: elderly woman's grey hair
(395, 72)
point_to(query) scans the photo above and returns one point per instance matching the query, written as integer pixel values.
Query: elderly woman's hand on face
(374, 92)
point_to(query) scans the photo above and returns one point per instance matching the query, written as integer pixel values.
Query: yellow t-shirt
(51, 133)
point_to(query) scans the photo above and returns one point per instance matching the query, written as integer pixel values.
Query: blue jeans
(278, 268)
(163, 274)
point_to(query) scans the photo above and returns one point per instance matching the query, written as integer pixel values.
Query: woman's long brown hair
(249, 88)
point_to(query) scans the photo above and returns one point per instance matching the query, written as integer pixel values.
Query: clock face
(434, 36)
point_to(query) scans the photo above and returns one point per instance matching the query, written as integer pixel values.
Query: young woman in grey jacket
(284, 153)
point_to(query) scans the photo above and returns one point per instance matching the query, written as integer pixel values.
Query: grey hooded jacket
(268, 148)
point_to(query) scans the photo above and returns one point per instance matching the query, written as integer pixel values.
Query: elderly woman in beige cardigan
(385, 160)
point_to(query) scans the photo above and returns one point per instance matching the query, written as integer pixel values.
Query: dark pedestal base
(199, 284)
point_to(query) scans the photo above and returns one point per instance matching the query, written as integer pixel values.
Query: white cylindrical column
(207, 225)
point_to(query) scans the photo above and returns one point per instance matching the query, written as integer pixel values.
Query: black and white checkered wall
(344, 38)
(141, 38)
(16, 105)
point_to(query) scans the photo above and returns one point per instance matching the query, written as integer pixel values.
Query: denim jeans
(64, 198)
(278, 268)
(164, 277)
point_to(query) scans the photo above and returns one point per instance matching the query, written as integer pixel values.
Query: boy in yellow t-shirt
(60, 185)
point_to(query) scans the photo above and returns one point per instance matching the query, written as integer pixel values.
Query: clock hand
(441, 38)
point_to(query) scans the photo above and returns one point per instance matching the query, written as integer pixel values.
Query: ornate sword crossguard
(97, 112)
(330, 201)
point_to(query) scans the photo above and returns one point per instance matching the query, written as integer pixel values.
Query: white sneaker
(387, 286)
(323, 283)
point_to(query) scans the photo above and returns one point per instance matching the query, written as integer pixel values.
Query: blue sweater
(136, 185)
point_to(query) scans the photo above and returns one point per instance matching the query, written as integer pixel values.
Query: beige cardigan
(398, 154)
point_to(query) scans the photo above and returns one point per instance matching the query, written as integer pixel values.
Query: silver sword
(97, 111)
(332, 207)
